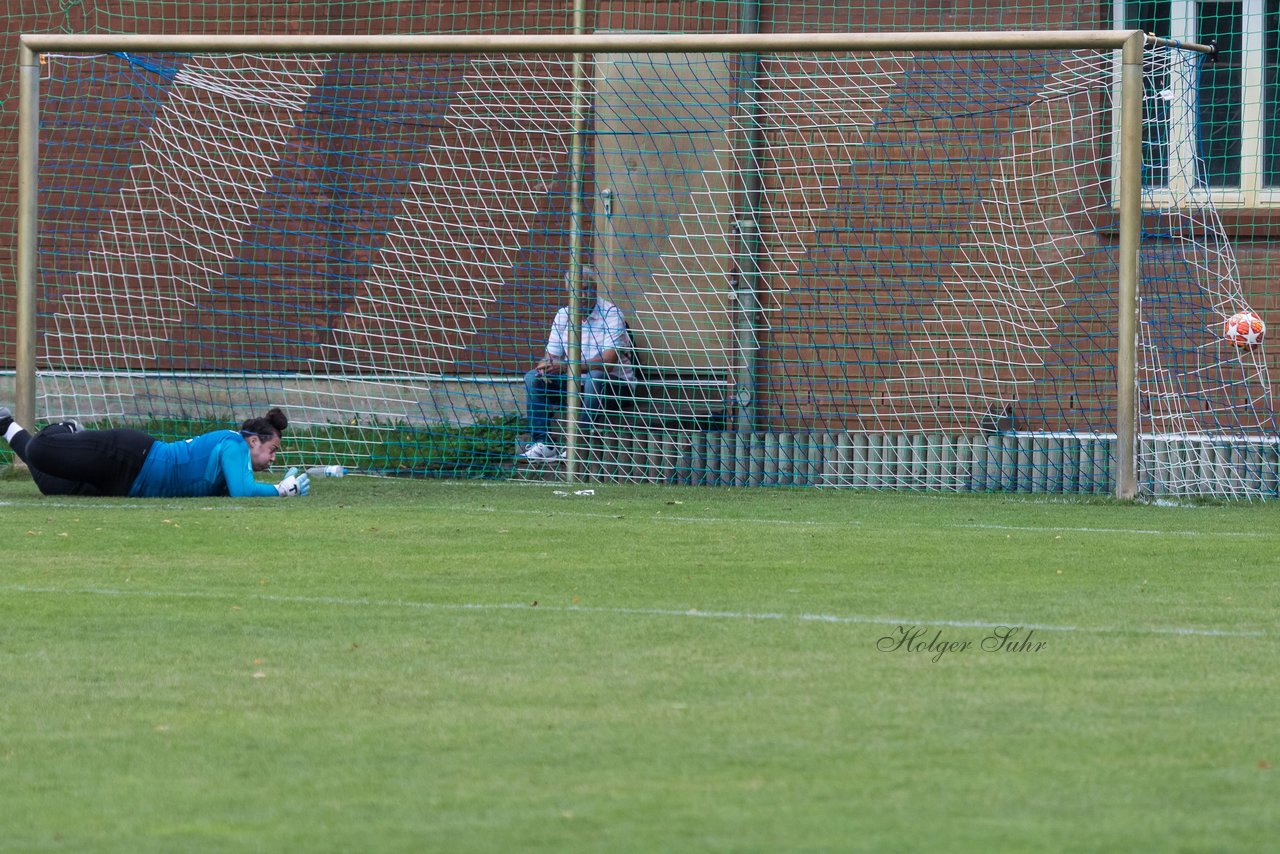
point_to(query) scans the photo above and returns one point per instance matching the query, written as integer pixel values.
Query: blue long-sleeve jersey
(214, 463)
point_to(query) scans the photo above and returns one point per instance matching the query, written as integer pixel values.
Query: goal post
(430, 306)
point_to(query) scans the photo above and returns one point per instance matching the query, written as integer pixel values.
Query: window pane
(1271, 97)
(1220, 92)
(1153, 16)
(1150, 16)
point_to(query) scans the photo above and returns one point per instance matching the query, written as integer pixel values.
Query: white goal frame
(1128, 180)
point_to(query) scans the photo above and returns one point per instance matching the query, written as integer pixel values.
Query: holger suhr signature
(931, 642)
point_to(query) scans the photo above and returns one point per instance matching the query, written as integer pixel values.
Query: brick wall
(816, 373)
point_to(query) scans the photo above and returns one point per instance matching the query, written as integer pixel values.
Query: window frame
(1182, 189)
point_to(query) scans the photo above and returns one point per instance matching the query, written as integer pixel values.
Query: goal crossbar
(35, 43)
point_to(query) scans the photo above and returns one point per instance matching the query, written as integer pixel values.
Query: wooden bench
(671, 400)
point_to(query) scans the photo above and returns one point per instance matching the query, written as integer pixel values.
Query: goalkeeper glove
(294, 484)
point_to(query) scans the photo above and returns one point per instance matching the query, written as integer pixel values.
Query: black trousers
(64, 461)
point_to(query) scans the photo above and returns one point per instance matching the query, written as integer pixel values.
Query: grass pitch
(410, 666)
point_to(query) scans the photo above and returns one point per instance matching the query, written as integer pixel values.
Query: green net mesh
(403, 340)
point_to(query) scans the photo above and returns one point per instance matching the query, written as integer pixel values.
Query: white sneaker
(543, 452)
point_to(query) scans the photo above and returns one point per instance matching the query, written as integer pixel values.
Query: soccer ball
(1244, 329)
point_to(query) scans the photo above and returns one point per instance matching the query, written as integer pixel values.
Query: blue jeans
(545, 395)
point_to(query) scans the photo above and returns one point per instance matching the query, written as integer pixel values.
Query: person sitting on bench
(605, 357)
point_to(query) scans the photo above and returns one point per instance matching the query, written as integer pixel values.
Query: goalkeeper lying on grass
(66, 460)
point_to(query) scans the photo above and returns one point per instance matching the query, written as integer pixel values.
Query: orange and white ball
(1245, 329)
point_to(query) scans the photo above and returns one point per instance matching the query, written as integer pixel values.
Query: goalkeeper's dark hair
(267, 427)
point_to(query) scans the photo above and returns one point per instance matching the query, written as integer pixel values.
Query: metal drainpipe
(747, 223)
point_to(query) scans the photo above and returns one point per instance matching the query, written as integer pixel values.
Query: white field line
(1046, 530)
(695, 613)
(648, 516)
(657, 516)
(144, 504)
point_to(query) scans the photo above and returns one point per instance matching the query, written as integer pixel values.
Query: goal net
(870, 269)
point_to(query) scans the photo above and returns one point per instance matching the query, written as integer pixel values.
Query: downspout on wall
(747, 224)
